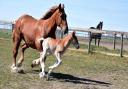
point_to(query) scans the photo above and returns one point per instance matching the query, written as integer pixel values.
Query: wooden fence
(114, 33)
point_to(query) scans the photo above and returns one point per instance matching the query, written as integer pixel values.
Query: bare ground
(66, 77)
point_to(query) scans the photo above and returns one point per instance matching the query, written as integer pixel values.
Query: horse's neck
(49, 27)
(54, 18)
(51, 23)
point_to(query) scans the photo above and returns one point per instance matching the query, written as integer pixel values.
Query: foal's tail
(41, 40)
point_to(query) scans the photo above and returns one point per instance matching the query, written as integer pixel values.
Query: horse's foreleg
(20, 61)
(95, 41)
(98, 42)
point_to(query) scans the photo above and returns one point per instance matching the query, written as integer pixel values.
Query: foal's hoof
(42, 75)
(21, 71)
(48, 77)
(33, 65)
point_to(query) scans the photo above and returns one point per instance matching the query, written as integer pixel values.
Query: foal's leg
(42, 61)
(58, 62)
(16, 44)
(23, 48)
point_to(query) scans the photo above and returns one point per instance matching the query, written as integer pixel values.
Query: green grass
(102, 49)
(5, 33)
(75, 63)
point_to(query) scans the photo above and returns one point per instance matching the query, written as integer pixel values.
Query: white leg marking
(42, 58)
(58, 61)
(36, 61)
(16, 69)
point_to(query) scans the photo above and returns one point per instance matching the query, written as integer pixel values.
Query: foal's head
(62, 18)
(75, 40)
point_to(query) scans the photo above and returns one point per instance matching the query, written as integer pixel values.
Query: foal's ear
(73, 33)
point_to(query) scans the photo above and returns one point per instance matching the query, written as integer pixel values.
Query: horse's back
(25, 19)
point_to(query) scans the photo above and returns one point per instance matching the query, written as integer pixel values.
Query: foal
(56, 47)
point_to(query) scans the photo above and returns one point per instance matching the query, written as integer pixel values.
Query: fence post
(89, 44)
(12, 26)
(114, 41)
(121, 49)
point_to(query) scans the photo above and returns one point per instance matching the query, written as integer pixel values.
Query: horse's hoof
(19, 65)
(21, 71)
(14, 69)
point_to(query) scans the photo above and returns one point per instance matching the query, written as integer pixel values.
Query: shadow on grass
(73, 79)
(76, 80)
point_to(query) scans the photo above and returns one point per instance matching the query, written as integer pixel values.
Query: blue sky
(80, 13)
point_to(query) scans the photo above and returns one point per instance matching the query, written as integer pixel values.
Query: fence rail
(114, 33)
(98, 31)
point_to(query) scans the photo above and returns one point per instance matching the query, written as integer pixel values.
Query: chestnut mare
(29, 29)
(56, 47)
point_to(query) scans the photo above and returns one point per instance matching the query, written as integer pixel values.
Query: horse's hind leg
(16, 43)
(20, 61)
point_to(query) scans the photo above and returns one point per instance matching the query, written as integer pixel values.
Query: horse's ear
(62, 6)
(59, 6)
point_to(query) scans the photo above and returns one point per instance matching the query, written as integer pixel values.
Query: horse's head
(62, 19)
(75, 40)
(100, 25)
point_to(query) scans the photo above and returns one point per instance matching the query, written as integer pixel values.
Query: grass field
(79, 70)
